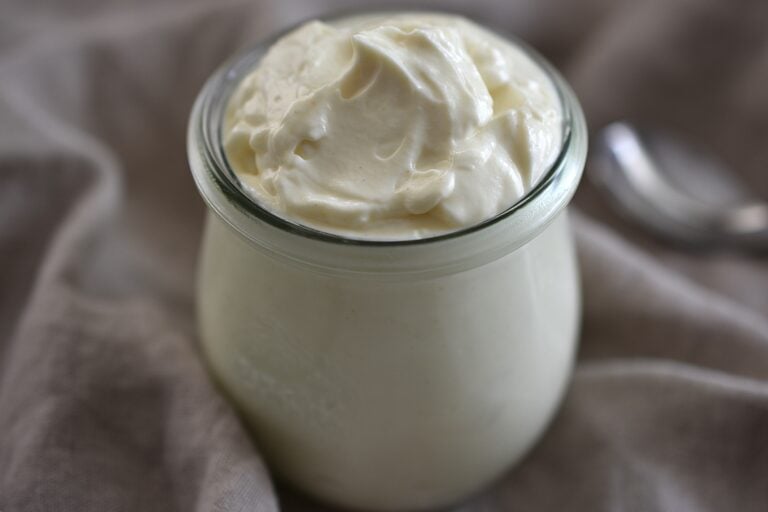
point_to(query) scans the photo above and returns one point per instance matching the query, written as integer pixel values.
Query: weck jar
(387, 375)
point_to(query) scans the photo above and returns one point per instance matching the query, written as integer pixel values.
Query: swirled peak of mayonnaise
(392, 126)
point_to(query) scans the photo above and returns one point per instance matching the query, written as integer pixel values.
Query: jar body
(398, 393)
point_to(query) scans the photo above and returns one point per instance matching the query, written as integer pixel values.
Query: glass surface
(387, 375)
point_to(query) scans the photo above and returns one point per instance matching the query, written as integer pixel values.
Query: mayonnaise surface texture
(392, 126)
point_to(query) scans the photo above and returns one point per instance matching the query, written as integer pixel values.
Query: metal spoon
(630, 168)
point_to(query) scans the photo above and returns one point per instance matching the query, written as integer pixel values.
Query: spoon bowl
(630, 168)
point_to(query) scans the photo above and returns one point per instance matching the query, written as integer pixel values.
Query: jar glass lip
(217, 92)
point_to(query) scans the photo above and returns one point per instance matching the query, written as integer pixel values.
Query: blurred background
(100, 225)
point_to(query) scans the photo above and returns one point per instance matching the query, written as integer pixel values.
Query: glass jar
(378, 374)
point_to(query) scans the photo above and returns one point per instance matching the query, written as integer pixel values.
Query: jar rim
(215, 95)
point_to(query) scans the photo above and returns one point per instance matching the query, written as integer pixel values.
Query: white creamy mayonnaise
(392, 126)
(405, 376)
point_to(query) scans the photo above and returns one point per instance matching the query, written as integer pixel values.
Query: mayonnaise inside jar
(388, 289)
(392, 127)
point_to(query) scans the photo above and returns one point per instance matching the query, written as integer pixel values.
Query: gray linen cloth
(104, 403)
